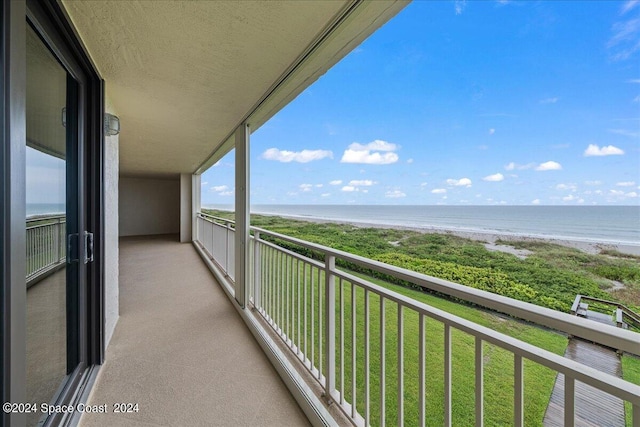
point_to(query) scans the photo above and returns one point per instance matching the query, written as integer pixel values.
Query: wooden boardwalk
(593, 407)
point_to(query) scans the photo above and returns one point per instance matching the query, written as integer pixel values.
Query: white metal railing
(323, 314)
(216, 235)
(45, 243)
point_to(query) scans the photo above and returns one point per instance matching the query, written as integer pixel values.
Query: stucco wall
(111, 256)
(149, 206)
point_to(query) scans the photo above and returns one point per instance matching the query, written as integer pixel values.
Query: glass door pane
(52, 224)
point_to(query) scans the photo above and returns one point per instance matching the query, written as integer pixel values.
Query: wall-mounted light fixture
(111, 124)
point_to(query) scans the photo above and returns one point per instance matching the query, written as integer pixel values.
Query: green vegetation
(631, 373)
(551, 276)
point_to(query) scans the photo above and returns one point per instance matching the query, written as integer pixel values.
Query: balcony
(182, 353)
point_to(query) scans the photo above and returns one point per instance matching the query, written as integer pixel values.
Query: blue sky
(454, 102)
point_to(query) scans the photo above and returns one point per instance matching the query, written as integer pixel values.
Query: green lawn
(631, 373)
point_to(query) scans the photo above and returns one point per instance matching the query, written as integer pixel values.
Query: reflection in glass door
(52, 224)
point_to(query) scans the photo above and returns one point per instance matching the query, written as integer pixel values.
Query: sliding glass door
(54, 265)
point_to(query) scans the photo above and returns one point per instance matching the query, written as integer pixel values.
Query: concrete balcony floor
(181, 351)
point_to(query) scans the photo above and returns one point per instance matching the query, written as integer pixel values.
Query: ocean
(605, 224)
(45, 208)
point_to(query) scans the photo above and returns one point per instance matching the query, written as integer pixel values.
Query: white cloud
(609, 150)
(439, 191)
(459, 6)
(319, 185)
(218, 188)
(633, 81)
(305, 187)
(631, 194)
(594, 183)
(335, 182)
(409, 161)
(616, 192)
(549, 100)
(636, 99)
(377, 145)
(535, 202)
(630, 4)
(204, 183)
(626, 132)
(462, 182)
(496, 177)
(395, 194)
(492, 131)
(325, 194)
(626, 184)
(566, 187)
(377, 152)
(515, 166)
(624, 41)
(549, 166)
(362, 183)
(366, 157)
(349, 188)
(227, 193)
(304, 156)
(424, 184)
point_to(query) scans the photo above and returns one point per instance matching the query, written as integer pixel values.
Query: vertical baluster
(298, 342)
(421, 368)
(569, 401)
(227, 233)
(479, 383)
(636, 416)
(330, 324)
(353, 351)
(277, 284)
(341, 343)
(320, 325)
(306, 325)
(61, 230)
(269, 285)
(266, 288)
(257, 277)
(313, 318)
(383, 365)
(367, 391)
(518, 393)
(287, 296)
(447, 375)
(400, 366)
(283, 276)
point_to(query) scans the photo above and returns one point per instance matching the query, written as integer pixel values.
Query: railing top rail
(604, 334)
(44, 217)
(611, 384)
(215, 218)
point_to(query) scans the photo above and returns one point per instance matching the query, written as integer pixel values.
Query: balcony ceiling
(183, 75)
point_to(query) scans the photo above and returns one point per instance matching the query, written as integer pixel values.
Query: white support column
(242, 215)
(196, 187)
(186, 198)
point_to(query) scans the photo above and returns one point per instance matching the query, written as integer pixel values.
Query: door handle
(72, 248)
(88, 247)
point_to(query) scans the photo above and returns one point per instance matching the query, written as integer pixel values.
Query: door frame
(54, 26)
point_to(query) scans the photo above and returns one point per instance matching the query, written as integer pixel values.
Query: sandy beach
(490, 239)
